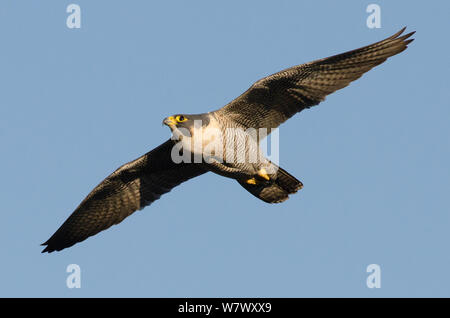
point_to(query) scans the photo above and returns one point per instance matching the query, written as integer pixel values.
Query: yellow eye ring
(180, 118)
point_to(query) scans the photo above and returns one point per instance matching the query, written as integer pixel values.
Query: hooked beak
(170, 121)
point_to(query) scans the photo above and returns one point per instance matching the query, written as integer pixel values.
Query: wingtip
(397, 35)
(408, 41)
(404, 39)
(47, 249)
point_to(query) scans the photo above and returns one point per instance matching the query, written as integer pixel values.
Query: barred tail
(277, 191)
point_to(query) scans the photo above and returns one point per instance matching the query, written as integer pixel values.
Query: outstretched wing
(276, 98)
(131, 187)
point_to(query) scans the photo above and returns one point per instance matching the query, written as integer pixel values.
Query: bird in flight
(265, 105)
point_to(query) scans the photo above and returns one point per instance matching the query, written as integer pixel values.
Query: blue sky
(75, 104)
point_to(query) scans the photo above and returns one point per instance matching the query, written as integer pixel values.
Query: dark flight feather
(274, 99)
(128, 189)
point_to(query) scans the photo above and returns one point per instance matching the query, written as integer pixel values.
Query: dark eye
(180, 118)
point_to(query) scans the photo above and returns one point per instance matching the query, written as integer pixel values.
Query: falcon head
(186, 124)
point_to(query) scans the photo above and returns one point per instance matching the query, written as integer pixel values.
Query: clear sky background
(75, 104)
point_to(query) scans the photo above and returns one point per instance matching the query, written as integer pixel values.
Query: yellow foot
(263, 174)
(251, 181)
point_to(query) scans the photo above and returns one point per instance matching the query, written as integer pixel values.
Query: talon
(263, 174)
(251, 181)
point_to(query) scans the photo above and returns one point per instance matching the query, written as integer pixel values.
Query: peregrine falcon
(265, 105)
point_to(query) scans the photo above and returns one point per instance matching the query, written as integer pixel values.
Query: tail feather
(276, 191)
(288, 182)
